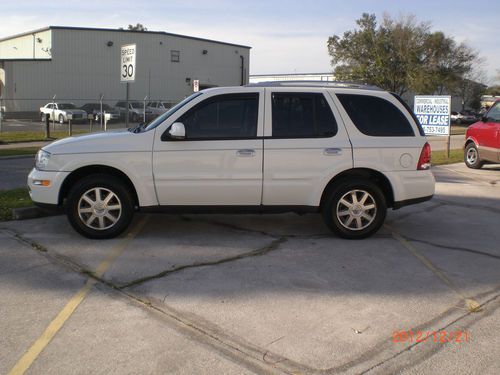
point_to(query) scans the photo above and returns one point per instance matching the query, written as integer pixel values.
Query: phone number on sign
(436, 336)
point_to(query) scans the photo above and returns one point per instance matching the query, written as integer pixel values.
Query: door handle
(332, 151)
(245, 152)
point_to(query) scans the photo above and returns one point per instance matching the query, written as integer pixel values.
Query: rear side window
(375, 116)
(229, 116)
(302, 115)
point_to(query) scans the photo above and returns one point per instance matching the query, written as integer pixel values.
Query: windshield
(157, 121)
(138, 105)
(67, 106)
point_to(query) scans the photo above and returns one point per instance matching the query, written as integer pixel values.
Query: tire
(471, 156)
(61, 119)
(458, 122)
(80, 211)
(134, 117)
(361, 220)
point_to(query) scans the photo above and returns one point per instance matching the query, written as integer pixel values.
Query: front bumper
(48, 195)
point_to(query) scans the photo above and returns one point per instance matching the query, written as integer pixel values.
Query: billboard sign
(127, 63)
(433, 113)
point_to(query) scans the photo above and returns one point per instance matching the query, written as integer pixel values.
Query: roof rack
(330, 84)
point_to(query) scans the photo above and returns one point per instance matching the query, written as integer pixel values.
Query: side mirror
(177, 131)
(484, 118)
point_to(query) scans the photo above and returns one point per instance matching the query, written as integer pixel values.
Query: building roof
(122, 31)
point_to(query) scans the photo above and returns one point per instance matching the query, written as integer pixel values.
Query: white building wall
(83, 66)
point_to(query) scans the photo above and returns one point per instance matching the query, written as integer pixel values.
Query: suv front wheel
(355, 209)
(99, 206)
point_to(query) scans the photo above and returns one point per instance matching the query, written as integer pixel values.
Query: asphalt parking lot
(221, 294)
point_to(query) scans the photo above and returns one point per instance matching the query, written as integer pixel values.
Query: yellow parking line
(471, 304)
(41, 343)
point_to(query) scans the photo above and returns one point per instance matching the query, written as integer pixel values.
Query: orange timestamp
(441, 336)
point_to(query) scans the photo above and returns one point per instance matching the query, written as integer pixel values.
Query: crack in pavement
(426, 340)
(456, 248)
(465, 205)
(273, 245)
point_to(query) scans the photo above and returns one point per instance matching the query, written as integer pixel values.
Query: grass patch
(15, 198)
(439, 157)
(13, 137)
(19, 151)
(458, 129)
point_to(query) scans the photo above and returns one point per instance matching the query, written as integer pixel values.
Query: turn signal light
(41, 182)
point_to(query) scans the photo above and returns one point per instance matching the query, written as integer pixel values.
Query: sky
(286, 36)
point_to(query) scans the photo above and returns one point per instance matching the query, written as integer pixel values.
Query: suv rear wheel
(471, 156)
(100, 206)
(355, 209)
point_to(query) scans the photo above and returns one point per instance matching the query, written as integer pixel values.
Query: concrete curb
(26, 213)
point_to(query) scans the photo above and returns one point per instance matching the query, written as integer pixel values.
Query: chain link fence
(98, 114)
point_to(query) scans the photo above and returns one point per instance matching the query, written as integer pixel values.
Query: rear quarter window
(375, 116)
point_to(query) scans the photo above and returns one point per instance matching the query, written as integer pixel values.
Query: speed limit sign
(127, 63)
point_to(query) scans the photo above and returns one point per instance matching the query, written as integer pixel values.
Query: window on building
(229, 116)
(175, 56)
(300, 115)
(375, 116)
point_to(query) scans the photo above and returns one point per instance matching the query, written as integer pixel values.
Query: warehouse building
(81, 64)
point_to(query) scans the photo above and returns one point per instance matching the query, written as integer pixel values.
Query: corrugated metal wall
(83, 66)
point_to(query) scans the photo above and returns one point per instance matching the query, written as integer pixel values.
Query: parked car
(136, 111)
(95, 110)
(462, 117)
(482, 143)
(158, 108)
(346, 151)
(61, 111)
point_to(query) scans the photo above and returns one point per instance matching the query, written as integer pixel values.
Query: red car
(482, 144)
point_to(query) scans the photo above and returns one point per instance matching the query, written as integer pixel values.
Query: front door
(220, 160)
(489, 136)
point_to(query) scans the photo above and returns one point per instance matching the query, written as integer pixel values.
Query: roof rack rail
(331, 84)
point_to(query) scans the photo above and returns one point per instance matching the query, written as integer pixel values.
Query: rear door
(305, 145)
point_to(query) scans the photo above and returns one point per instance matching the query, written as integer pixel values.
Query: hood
(111, 141)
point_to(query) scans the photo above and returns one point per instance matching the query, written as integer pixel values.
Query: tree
(400, 55)
(137, 27)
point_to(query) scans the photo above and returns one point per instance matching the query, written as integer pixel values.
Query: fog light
(41, 182)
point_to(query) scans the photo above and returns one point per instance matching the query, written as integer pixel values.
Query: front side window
(375, 116)
(302, 115)
(231, 116)
(493, 114)
(67, 106)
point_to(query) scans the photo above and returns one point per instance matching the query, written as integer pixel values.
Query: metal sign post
(128, 109)
(144, 114)
(434, 114)
(54, 113)
(70, 127)
(127, 70)
(102, 114)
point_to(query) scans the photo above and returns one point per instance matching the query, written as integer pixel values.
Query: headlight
(42, 160)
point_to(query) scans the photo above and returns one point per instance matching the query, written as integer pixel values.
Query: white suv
(343, 150)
